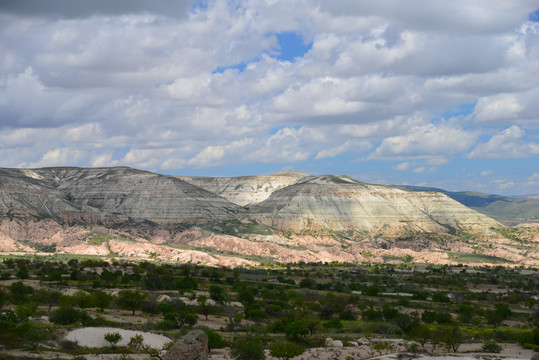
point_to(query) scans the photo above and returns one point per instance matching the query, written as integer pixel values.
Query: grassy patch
(478, 258)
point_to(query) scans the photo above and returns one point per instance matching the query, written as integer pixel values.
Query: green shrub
(215, 341)
(491, 347)
(67, 316)
(285, 350)
(248, 347)
(113, 338)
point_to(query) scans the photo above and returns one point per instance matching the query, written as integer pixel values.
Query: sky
(417, 92)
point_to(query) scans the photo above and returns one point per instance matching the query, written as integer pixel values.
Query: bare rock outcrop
(193, 346)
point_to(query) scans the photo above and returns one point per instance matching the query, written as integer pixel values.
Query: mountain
(104, 195)
(336, 204)
(252, 220)
(507, 210)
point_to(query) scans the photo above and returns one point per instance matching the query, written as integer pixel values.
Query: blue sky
(428, 93)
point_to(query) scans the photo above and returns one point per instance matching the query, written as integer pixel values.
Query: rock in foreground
(193, 346)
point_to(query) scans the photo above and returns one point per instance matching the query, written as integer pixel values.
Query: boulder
(333, 343)
(163, 298)
(535, 356)
(193, 346)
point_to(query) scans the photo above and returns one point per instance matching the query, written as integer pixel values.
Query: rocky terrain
(285, 217)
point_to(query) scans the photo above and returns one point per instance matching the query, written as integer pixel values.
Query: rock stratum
(250, 220)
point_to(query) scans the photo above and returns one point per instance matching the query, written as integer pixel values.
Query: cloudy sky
(438, 93)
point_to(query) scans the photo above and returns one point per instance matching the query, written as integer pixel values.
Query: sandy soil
(94, 337)
(466, 352)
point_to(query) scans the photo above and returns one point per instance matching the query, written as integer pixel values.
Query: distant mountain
(237, 221)
(508, 210)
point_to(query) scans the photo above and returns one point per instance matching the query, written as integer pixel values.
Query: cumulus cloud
(178, 84)
(59, 157)
(67, 8)
(425, 141)
(506, 144)
(495, 108)
(402, 166)
(351, 146)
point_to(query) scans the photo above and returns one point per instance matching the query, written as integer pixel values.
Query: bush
(491, 347)
(215, 341)
(285, 350)
(248, 348)
(67, 316)
(113, 338)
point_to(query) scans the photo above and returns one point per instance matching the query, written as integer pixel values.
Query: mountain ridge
(285, 217)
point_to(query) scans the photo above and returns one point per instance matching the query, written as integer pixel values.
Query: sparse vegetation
(300, 305)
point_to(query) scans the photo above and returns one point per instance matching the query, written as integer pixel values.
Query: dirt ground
(466, 352)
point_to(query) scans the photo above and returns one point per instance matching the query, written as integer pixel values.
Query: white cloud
(104, 160)
(351, 146)
(60, 157)
(533, 179)
(211, 155)
(496, 108)
(420, 169)
(506, 184)
(136, 83)
(486, 172)
(505, 145)
(402, 166)
(425, 141)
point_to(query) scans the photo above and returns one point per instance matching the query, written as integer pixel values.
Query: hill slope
(330, 203)
(245, 190)
(108, 194)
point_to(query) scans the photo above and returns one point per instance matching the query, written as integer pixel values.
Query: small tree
(101, 300)
(295, 330)
(453, 338)
(3, 297)
(311, 322)
(185, 317)
(113, 338)
(203, 307)
(285, 350)
(132, 299)
(137, 343)
(421, 334)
